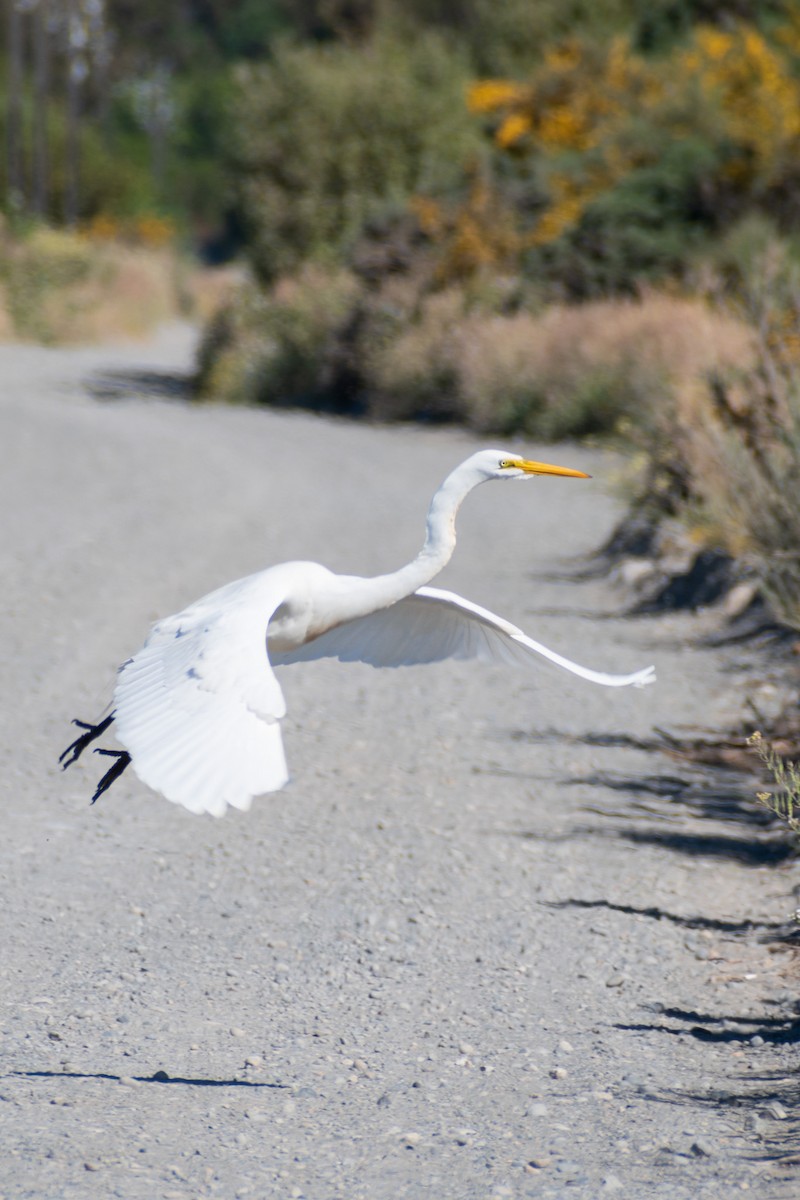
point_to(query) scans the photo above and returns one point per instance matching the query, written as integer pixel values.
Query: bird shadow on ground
(153, 385)
(160, 1077)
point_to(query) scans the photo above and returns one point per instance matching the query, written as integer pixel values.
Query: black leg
(123, 758)
(79, 745)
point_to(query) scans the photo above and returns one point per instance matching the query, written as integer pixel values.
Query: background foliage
(553, 217)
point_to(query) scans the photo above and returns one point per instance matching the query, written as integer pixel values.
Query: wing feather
(432, 625)
(198, 707)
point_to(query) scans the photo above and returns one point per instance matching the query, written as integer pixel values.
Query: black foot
(79, 745)
(123, 758)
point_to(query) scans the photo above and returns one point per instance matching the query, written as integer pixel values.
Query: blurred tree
(15, 193)
(41, 88)
(331, 137)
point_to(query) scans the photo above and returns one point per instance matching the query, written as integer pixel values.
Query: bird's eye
(505, 462)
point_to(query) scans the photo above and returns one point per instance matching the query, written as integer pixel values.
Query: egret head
(502, 464)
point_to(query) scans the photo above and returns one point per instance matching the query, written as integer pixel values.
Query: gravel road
(466, 953)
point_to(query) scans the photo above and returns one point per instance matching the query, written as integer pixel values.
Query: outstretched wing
(198, 708)
(432, 625)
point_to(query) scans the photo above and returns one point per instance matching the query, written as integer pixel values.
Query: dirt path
(466, 953)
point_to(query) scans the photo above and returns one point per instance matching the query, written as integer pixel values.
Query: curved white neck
(440, 539)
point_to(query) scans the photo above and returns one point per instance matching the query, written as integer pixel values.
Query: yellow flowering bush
(708, 128)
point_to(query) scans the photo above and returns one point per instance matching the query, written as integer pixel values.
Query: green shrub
(644, 229)
(46, 262)
(400, 352)
(279, 347)
(330, 136)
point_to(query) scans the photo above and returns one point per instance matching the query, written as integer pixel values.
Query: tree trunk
(15, 181)
(41, 84)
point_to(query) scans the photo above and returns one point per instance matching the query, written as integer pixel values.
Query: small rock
(160, 1077)
(128, 1081)
(702, 1148)
(633, 572)
(612, 1184)
(565, 1046)
(411, 1139)
(776, 1110)
(91, 1166)
(757, 1040)
(253, 1060)
(539, 1162)
(559, 1073)
(615, 981)
(465, 1048)
(237, 1033)
(739, 598)
(771, 701)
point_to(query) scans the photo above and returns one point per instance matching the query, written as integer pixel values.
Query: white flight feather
(198, 708)
(432, 625)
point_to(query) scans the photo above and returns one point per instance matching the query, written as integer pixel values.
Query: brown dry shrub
(126, 294)
(64, 287)
(411, 364)
(278, 346)
(737, 436)
(564, 372)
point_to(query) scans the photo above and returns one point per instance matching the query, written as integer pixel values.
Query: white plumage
(198, 708)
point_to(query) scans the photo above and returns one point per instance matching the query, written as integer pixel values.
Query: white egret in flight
(198, 708)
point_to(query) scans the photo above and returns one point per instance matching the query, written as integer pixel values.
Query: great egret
(198, 708)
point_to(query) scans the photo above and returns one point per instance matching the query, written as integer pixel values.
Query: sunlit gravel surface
(445, 962)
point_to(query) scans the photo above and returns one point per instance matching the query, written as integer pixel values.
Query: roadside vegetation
(550, 220)
(58, 286)
(595, 236)
(784, 801)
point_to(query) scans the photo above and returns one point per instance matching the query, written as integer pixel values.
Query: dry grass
(65, 287)
(739, 439)
(277, 347)
(730, 441)
(411, 366)
(566, 371)
(470, 354)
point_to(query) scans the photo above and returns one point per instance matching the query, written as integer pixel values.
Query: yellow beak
(538, 468)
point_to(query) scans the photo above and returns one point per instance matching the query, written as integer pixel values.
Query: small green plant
(785, 802)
